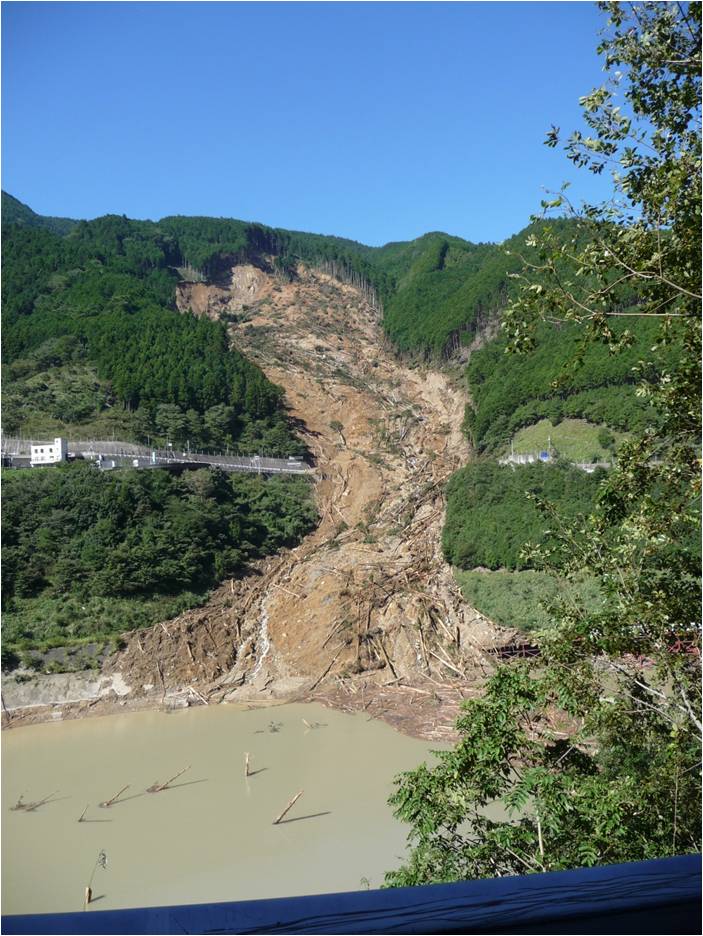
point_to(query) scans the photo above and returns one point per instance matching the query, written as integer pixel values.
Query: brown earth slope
(365, 612)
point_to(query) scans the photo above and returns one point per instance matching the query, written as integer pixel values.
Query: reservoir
(210, 836)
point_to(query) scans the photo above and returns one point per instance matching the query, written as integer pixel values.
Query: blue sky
(375, 121)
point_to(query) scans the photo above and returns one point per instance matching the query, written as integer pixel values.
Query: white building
(48, 453)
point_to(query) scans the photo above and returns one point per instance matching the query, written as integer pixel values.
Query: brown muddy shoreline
(424, 712)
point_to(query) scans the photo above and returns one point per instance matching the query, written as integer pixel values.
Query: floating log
(30, 807)
(157, 787)
(288, 807)
(113, 799)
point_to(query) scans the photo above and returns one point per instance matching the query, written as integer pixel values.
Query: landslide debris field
(364, 613)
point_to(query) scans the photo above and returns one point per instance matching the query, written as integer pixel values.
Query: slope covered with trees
(89, 554)
(594, 749)
(492, 510)
(436, 294)
(15, 212)
(561, 378)
(103, 295)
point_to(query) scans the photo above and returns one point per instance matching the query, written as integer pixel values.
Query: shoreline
(425, 713)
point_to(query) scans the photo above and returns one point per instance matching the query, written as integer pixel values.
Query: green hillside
(101, 299)
(109, 284)
(431, 287)
(15, 212)
(559, 379)
(89, 554)
(491, 514)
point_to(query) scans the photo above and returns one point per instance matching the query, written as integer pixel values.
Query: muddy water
(210, 837)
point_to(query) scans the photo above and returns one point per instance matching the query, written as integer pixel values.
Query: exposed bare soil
(364, 614)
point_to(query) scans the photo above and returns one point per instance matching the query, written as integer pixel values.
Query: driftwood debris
(30, 807)
(334, 631)
(161, 678)
(387, 658)
(157, 787)
(291, 804)
(113, 799)
(445, 659)
(197, 694)
(287, 590)
(447, 663)
(326, 670)
(424, 647)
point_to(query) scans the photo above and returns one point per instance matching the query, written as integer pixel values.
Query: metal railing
(127, 453)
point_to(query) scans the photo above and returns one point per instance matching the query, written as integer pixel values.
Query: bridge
(115, 454)
(184, 462)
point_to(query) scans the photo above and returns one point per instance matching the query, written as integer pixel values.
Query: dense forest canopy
(492, 512)
(561, 378)
(15, 212)
(89, 554)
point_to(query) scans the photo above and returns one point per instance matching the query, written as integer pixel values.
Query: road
(126, 454)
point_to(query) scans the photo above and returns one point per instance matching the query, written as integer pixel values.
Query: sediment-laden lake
(210, 836)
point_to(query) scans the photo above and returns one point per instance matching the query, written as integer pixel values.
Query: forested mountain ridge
(16, 212)
(430, 288)
(435, 294)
